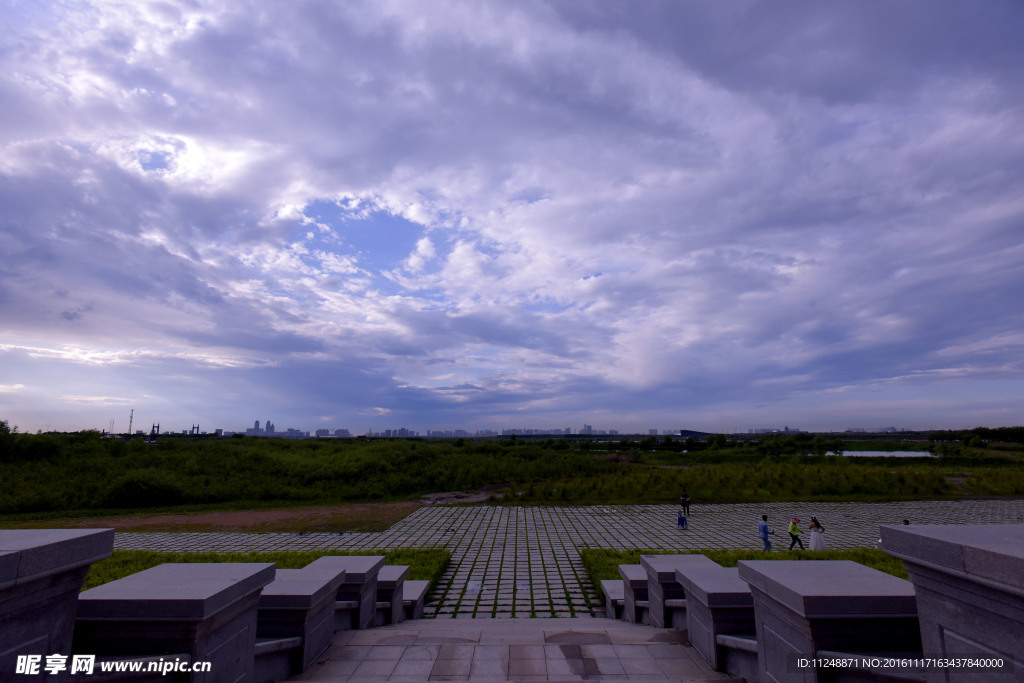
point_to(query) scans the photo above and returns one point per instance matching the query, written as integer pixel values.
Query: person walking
(684, 501)
(794, 530)
(681, 520)
(763, 531)
(817, 534)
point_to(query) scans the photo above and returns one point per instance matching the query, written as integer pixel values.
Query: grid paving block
(524, 559)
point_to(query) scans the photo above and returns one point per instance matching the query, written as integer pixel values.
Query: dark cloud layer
(717, 216)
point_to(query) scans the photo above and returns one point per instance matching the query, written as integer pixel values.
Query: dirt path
(332, 518)
(356, 517)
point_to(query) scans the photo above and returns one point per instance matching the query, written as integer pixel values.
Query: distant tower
(256, 426)
(195, 429)
(155, 430)
(131, 417)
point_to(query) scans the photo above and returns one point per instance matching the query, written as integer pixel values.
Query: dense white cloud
(538, 214)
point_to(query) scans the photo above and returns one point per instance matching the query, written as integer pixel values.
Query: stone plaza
(515, 562)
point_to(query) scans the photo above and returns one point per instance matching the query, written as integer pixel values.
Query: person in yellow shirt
(793, 531)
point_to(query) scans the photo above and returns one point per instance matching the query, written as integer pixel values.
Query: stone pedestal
(414, 598)
(359, 587)
(662, 584)
(718, 602)
(302, 605)
(205, 610)
(801, 607)
(969, 581)
(390, 580)
(634, 589)
(614, 597)
(41, 573)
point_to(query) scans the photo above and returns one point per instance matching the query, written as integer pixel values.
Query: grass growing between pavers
(601, 564)
(424, 563)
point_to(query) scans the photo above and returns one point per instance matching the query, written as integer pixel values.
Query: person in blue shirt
(763, 531)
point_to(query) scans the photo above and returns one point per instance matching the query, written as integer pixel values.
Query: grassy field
(53, 476)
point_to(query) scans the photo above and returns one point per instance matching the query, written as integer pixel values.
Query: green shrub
(149, 487)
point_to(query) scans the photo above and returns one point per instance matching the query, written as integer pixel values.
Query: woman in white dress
(817, 534)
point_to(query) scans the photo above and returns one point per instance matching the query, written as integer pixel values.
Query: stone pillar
(207, 611)
(360, 585)
(390, 581)
(635, 592)
(299, 604)
(801, 607)
(41, 573)
(663, 585)
(718, 601)
(969, 580)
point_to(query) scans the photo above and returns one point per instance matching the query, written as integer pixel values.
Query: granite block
(634, 576)
(986, 552)
(360, 586)
(391, 575)
(970, 592)
(296, 589)
(720, 587)
(663, 587)
(160, 611)
(358, 568)
(719, 603)
(662, 568)
(837, 587)
(41, 573)
(193, 591)
(39, 552)
(635, 592)
(802, 607)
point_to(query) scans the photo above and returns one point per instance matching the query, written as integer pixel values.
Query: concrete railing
(666, 596)
(243, 621)
(768, 620)
(41, 574)
(969, 582)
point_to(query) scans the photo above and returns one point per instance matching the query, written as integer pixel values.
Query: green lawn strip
(424, 563)
(601, 564)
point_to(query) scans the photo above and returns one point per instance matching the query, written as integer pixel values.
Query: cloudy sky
(713, 216)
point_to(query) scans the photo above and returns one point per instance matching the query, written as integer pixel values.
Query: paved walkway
(517, 650)
(514, 562)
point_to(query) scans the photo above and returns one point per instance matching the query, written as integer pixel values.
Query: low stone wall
(243, 621)
(959, 618)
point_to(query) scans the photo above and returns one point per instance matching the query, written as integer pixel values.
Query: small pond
(889, 454)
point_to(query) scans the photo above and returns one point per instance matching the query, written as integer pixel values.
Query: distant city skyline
(455, 215)
(268, 428)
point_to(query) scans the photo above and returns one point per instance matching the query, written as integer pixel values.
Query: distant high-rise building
(652, 432)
